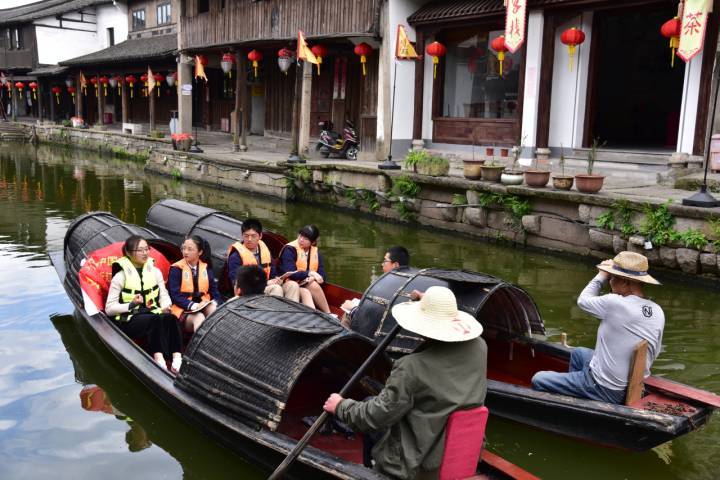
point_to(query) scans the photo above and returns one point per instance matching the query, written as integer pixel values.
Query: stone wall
(544, 218)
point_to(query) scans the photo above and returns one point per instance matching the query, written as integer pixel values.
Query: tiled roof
(44, 8)
(154, 47)
(48, 70)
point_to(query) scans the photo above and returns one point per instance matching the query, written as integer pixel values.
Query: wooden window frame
(135, 19)
(158, 10)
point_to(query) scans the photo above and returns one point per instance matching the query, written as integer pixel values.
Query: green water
(47, 356)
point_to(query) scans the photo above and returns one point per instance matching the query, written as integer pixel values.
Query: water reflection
(44, 430)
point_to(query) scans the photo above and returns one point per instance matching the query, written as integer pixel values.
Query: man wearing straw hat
(448, 373)
(626, 318)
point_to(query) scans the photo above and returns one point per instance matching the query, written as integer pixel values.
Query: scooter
(345, 147)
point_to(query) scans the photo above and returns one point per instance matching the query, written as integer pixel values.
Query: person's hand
(309, 279)
(166, 310)
(137, 300)
(416, 294)
(332, 402)
(603, 274)
(318, 278)
(347, 305)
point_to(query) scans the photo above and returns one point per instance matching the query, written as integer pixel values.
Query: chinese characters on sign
(515, 24)
(692, 33)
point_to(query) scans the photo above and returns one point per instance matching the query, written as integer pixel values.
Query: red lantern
(144, 79)
(319, 51)
(671, 29)
(71, 91)
(33, 86)
(94, 81)
(436, 50)
(203, 60)
(363, 50)
(286, 57)
(19, 86)
(159, 78)
(130, 79)
(254, 56)
(104, 81)
(56, 90)
(227, 63)
(572, 38)
(498, 45)
(119, 79)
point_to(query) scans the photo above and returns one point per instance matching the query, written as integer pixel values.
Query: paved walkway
(621, 180)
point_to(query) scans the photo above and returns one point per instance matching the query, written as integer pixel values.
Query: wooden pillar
(78, 97)
(702, 120)
(294, 147)
(151, 103)
(242, 73)
(98, 97)
(52, 103)
(124, 100)
(546, 77)
(419, 88)
(185, 94)
(13, 100)
(239, 120)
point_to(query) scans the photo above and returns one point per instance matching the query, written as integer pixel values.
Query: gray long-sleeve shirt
(624, 322)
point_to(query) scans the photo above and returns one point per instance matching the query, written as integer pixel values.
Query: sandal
(176, 364)
(161, 362)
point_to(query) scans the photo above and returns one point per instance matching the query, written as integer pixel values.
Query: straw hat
(436, 316)
(630, 265)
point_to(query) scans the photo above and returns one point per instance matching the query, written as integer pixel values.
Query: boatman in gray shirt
(626, 318)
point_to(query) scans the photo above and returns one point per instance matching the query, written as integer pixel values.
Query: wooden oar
(282, 468)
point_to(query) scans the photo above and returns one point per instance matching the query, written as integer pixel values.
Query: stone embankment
(673, 237)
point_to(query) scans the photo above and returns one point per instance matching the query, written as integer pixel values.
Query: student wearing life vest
(140, 305)
(302, 257)
(191, 283)
(253, 251)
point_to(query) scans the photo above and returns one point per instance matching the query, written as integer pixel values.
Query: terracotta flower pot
(537, 178)
(472, 169)
(511, 177)
(589, 183)
(489, 151)
(491, 173)
(504, 152)
(562, 182)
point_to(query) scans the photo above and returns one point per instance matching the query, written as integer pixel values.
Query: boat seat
(636, 376)
(464, 436)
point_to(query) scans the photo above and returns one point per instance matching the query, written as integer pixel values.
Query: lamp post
(389, 164)
(702, 198)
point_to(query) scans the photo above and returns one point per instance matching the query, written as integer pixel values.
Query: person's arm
(590, 299)
(321, 267)
(288, 259)
(164, 298)
(214, 292)
(113, 306)
(173, 286)
(384, 410)
(233, 263)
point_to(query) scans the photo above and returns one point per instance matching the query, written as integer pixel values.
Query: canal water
(69, 410)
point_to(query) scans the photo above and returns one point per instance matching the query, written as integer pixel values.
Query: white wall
(398, 11)
(569, 88)
(688, 110)
(533, 66)
(112, 16)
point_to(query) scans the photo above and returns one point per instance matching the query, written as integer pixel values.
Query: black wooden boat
(251, 373)
(513, 329)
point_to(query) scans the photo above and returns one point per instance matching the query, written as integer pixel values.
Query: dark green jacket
(423, 389)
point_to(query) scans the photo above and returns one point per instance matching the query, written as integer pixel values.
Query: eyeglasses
(142, 250)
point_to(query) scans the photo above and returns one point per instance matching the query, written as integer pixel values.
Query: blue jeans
(578, 382)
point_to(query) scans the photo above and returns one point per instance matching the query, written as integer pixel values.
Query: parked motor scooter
(327, 137)
(346, 146)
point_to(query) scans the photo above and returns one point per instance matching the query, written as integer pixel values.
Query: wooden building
(152, 42)
(213, 28)
(621, 88)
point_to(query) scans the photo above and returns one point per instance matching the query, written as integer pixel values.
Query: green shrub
(658, 224)
(416, 157)
(302, 173)
(691, 238)
(405, 186)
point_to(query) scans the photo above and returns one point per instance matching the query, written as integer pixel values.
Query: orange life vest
(187, 288)
(248, 257)
(301, 262)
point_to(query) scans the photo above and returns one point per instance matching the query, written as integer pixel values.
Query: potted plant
(182, 141)
(513, 176)
(471, 168)
(492, 171)
(535, 177)
(425, 164)
(590, 183)
(562, 181)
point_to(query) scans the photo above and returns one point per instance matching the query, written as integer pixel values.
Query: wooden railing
(241, 22)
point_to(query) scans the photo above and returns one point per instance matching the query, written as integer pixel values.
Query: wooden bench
(636, 377)
(133, 128)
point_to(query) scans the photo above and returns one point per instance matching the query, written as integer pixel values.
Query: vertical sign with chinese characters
(515, 20)
(692, 33)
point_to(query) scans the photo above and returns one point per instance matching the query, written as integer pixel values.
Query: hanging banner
(404, 50)
(515, 20)
(692, 32)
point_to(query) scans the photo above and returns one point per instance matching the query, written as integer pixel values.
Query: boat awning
(132, 50)
(48, 70)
